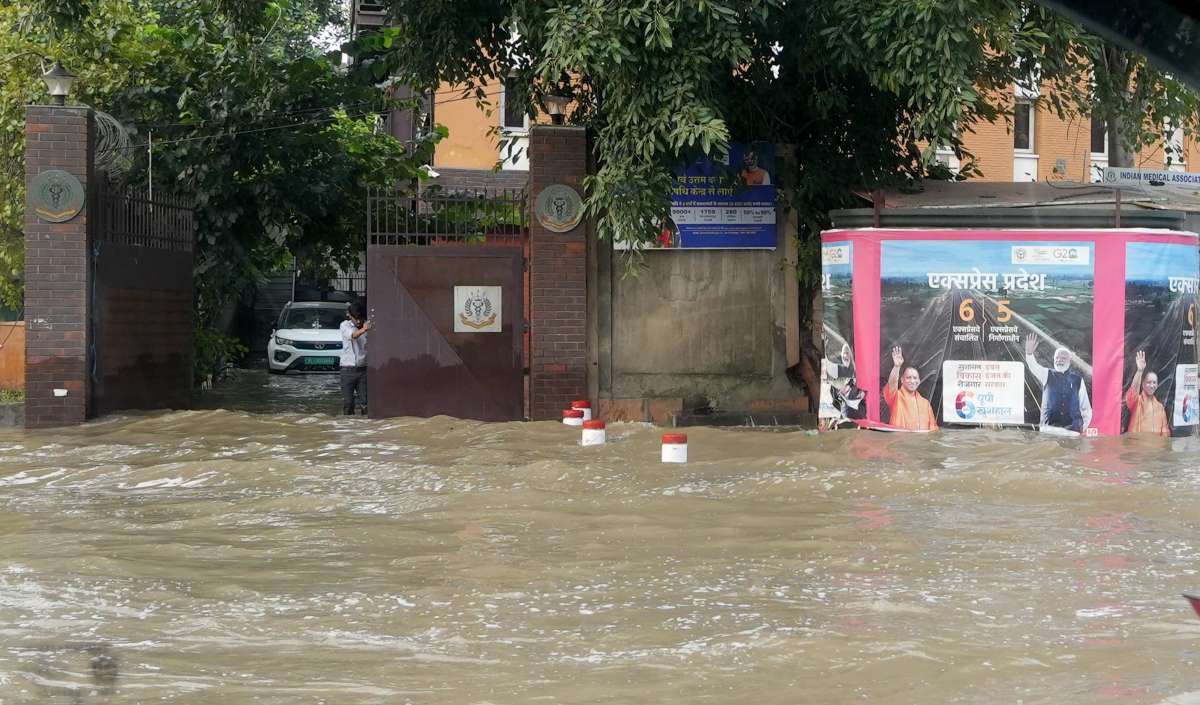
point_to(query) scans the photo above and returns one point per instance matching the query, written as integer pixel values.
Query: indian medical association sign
(56, 196)
(558, 208)
(477, 309)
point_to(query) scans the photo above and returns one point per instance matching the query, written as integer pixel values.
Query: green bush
(11, 396)
(215, 353)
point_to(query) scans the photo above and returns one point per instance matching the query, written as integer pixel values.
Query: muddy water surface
(231, 557)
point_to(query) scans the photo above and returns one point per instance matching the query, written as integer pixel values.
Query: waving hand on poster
(909, 409)
(1146, 412)
(1065, 403)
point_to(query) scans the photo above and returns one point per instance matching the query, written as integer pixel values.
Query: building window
(1023, 117)
(945, 156)
(512, 113)
(1025, 160)
(1175, 156)
(1099, 148)
(1099, 136)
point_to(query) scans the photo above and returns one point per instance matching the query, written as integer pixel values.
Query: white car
(306, 338)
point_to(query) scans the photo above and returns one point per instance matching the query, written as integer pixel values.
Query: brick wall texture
(479, 180)
(111, 324)
(56, 273)
(558, 280)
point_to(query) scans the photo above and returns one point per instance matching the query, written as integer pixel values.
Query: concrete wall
(698, 328)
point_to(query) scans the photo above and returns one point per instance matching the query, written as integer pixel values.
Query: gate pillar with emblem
(59, 142)
(559, 241)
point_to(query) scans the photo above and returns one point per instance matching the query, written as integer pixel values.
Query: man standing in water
(1146, 412)
(910, 410)
(354, 359)
(1065, 401)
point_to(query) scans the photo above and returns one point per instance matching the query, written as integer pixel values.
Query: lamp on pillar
(557, 98)
(556, 105)
(59, 82)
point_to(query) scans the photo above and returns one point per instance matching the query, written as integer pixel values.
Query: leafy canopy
(864, 89)
(246, 112)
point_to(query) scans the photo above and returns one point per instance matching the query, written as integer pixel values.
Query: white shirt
(1041, 373)
(354, 350)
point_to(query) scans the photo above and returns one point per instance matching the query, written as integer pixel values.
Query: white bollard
(573, 417)
(585, 406)
(674, 448)
(593, 433)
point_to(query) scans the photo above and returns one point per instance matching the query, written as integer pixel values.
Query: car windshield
(315, 318)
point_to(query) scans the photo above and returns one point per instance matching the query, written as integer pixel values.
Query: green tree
(865, 90)
(245, 112)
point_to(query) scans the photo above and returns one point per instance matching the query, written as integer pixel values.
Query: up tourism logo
(964, 406)
(1189, 408)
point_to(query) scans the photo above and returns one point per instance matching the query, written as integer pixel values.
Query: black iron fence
(130, 216)
(434, 217)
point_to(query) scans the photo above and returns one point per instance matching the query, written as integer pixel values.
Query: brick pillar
(57, 272)
(558, 280)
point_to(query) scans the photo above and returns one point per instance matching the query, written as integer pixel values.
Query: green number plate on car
(322, 360)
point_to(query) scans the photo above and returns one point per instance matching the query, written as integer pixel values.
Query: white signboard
(983, 392)
(477, 309)
(1151, 178)
(1187, 406)
(1065, 254)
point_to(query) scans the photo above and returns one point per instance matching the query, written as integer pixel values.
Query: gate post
(557, 277)
(57, 271)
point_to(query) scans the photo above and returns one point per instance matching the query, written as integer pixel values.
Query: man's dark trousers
(354, 383)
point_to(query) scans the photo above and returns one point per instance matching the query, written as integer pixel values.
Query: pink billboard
(1072, 332)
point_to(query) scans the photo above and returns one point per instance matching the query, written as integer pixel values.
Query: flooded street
(230, 557)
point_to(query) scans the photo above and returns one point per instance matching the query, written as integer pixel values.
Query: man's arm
(1039, 372)
(359, 332)
(893, 382)
(1085, 405)
(1135, 387)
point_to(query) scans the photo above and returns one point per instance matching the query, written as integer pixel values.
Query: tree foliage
(245, 113)
(866, 90)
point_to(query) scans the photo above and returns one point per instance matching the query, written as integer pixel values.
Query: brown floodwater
(219, 556)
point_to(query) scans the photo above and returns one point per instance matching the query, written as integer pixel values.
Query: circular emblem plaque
(558, 208)
(56, 196)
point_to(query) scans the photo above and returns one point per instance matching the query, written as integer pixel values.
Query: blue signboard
(722, 207)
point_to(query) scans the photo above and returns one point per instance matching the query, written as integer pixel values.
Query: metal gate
(447, 294)
(141, 300)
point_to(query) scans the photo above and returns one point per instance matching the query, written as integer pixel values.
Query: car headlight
(283, 341)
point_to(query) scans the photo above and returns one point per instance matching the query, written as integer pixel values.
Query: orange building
(469, 156)
(1041, 146)
(1035, 145)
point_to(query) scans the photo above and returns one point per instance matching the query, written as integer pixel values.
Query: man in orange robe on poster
(910, 410)
(1146, 412)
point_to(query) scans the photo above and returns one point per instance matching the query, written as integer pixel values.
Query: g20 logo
(1065, 254)
(963, 405)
